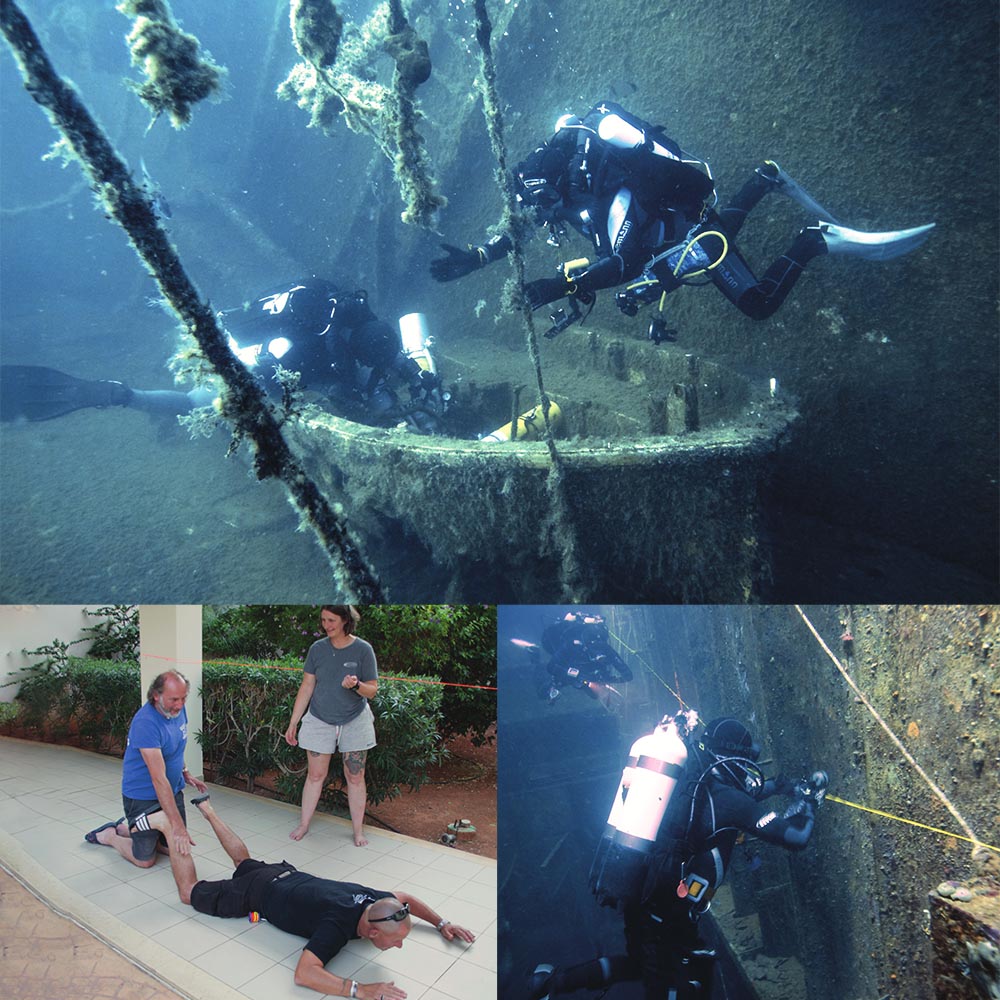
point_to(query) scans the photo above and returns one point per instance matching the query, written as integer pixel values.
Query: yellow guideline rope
(912, 822)
(972, 838)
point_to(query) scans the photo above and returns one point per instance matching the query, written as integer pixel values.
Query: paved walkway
(127, 935)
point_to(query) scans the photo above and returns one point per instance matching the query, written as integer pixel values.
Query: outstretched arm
(457, 262)
(180, 839)
(448, 930)
(310, 972)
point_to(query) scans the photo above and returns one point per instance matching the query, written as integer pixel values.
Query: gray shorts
(144, 841)
(321, 737)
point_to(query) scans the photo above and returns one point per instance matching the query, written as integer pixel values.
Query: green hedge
(93, 699)
(246, 711)
(455, 643)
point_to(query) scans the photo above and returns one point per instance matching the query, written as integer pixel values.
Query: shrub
(246, 712)
(105, 695)
(455, 643)
(97, 698)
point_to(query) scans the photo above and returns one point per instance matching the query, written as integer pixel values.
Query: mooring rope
(863, 698)
(513, 222)
(245, 402)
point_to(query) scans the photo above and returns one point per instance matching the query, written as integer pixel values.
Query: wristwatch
(354, 988)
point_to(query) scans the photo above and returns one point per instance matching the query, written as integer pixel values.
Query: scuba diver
(686, 794)
(648, 208)
(328, 336)
(579, 656)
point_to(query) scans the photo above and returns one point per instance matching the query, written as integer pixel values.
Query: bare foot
(122, 830)
(105, 836)
(299, 832)
(360, 840)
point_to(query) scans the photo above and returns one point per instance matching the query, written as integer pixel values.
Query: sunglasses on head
(401, 914)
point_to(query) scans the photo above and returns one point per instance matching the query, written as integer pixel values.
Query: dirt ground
(465, 787)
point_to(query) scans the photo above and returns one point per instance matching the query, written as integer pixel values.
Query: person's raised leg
(357, 792)
(182, 865)
(231, 842)
(319, 767)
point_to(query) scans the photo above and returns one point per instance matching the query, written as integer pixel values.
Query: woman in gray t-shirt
(339, 677)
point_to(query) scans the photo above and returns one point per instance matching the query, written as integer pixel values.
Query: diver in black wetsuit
(663, 885)
(581, 656)
(327, 335)
(647, 207)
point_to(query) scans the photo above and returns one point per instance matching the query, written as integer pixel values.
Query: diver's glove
(458, 263)
(814, 789)
(545, 290)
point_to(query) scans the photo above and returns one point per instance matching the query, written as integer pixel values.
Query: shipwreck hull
(652, 516)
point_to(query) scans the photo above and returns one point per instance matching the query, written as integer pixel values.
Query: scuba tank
(530, 425)
(655, 766)
(416, 340)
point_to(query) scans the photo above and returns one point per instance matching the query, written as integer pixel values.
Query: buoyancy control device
(655, 767)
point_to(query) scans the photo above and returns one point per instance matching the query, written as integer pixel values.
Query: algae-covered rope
(514, 223)
(245, 402)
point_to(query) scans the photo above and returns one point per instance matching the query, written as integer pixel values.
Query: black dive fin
(33, 392)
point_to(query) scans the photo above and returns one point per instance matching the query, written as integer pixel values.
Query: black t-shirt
(324, 911)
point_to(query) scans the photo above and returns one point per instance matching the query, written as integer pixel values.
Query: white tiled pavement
(50, 796)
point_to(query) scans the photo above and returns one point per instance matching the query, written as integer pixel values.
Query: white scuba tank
(615, 131)
(416, 340)
(655, 766)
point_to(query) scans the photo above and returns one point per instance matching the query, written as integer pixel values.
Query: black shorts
(144, 842)
(240, 895)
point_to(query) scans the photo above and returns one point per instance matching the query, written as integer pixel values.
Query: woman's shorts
(321, 737)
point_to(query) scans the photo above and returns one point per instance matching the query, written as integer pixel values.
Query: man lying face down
(327, 913)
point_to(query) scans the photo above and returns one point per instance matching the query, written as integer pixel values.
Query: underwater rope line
(912, 822)
(244, 403)
(647, 666)
(277, 666)
(895, 739)
(566, 538)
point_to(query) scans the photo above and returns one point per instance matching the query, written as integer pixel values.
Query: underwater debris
(316, 30)
(178, 74)
(243, 401)
(335, 82)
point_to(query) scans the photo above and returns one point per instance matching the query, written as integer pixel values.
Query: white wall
(170, 639)
(28, 626)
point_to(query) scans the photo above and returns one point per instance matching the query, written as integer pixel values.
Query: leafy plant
(105, 695)
(97, 698)
(245, 712)
(454, 643)
(116, 636)
(407, 716)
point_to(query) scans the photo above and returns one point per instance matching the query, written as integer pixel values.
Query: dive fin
(873, 246)
(788, 186)
(33, 392)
